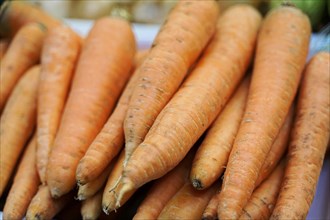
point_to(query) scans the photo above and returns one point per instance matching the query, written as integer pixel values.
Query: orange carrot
(309, 140)
(263, 199)
(280, 56)
(140, 57)
(4, 44)
(188, 203)
(110, 140)
(199, 100)
(163, 190)
(25, 185)
(102, 71)
(23, 52)
(211, 210)
(178, 44)
(15, 14)
(17, 123)
(43, 206)
(91, 208)
(212, 156)
(58, 59)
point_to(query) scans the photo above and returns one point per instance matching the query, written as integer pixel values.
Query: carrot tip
(80, 197)
(55, 193)
(127, 186)
(197, 184)
(105, 209)
(207, 217)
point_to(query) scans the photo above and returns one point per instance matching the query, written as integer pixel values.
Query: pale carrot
(25, 185)
(58, 59)
(24, 52)
(91, 208)
(17, 123)
(280, 57)
(211, 210)
(199, 100)
(101, 73)
(263, 199)
(181, 39)
(309, 140)
(212, 156)
(110, 140)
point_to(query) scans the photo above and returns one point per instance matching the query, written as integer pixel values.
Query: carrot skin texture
(110, 140)
(25, 185)
(101, 73)
(58, 59)
(176, 47)
(23, 52)
(280, 57)
(309, 140)
(212, 156)
(91, 208)
(17, 122)
(184, 119)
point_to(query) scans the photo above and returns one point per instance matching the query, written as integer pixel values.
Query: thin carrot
(4, 44)
(263, 199)
(309, 140)
(17, 123)
(43, 206)
(23, 52)
(212, 156)
(211, 210)
(188, 203)
(199, 100)
(58, 59)
(102, 71)
(280, 57)
(183, 36)
(163, 190)
(15, 14)
(91, 208)
(25, 185)
(110, 140)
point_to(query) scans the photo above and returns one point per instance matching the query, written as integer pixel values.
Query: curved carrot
(25, 185)
(211, 210)
(212, 156)
(17, 122)
(178, 44)
(309, 140)
(110, 140)
(102, 71)
(24, 52)
(58, 60)
(280, 57)
(199, 100)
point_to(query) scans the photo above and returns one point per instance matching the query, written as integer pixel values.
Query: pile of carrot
(222, 118)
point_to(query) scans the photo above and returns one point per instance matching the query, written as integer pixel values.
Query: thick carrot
(43, 206)
(110, 140)
(58, 60)
(263, 199)
(212, 156)
(199, 100)
(15, 14)
(25, 185)
(23, 52)
(102, 71)
(163, 190)
(309, 140)
(91, 208)
(188, 203)
(280, 57)
(183, 36)
(17, 123)
(211, 210)
(4, 44)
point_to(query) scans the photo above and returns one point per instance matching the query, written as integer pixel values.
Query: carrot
(17, 123)
(188, 203)
(176, 47)
(110, 140)
(309, 140)
(25, 185)
(4, 44)
(91, 208)
(163, 190)
(212, 156)
(23, 52)
(263, 199)
(43, 206)
(101, 73)
(90, 188)
(199, 100)
(15, 14)
(211, 210)
(140, 57)
(58, 59)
